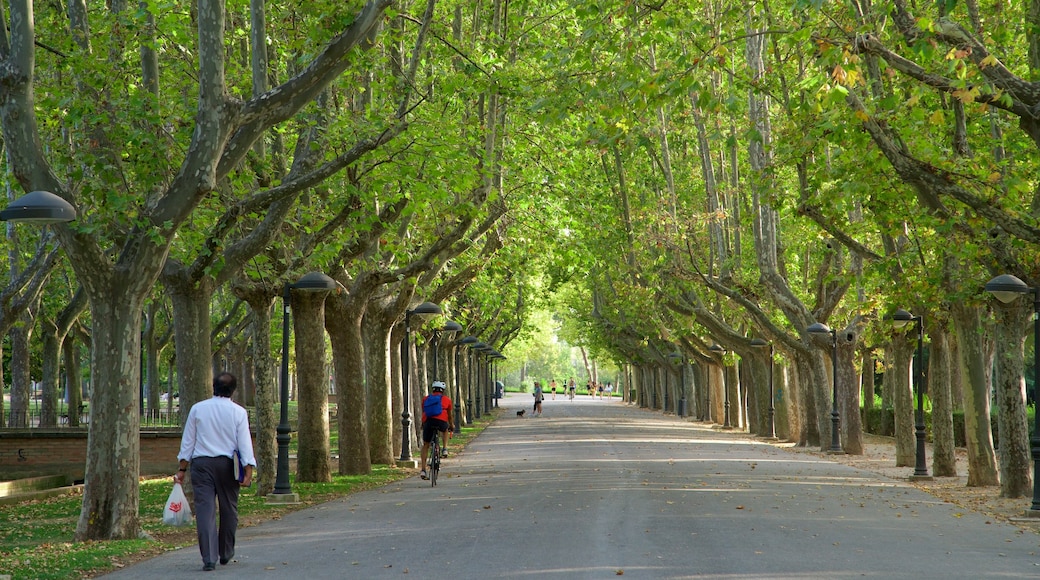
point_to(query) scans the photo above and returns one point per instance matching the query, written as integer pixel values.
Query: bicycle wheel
(435, 461)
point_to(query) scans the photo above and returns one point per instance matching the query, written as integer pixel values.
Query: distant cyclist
(433, 421)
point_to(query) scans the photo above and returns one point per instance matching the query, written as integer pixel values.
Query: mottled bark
(975, 363)
(375, 326)
(314, 454)
(73, 386)
(944, 459)
(1013, 424)
(848, 394)
(191, 330)
(396, 396)
(111, 493)
(348, 359)
(21, 379)
(898, 373)
(265, 446)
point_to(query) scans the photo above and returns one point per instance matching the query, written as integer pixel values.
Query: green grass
(36, 536)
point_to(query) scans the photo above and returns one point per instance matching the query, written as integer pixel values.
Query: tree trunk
(151, 354)
(718, 394)
(111, 493)
(396, 395)
(70, 354)
(375, 329)
(897, 376)
(51, 369)
(848, 393)
(788, 423)
(1012, 422)
(975, 363)
(267, 413)
(944, 458)
(314, 453)
(348, 360)
(21, 379)
(191, 330)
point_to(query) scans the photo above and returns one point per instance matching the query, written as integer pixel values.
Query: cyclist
(431, 423)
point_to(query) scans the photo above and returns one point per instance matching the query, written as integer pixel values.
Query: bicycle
(435, 458)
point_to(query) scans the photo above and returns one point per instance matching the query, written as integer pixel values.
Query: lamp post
(476, 395)
(759, 343)
(1007, 288)
(489, 384)
(901, 318)
(423, 310)
(471, 372)
(725, 385)
(820, 328)
(681, 357)
(458, 380)
(498, 379)
(449, 326)
(283, 493)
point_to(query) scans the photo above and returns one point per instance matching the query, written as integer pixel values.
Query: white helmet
(437, 386)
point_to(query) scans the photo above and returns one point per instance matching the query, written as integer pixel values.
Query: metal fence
(162, 417)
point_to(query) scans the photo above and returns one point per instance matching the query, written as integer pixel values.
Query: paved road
(596, 489)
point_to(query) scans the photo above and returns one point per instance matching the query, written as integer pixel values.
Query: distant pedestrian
(216, 430)
(538, 396)
(552, 385)
(571, 387)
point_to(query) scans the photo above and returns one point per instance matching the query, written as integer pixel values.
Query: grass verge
(36, 535)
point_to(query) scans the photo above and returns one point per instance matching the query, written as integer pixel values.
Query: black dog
(521, 412)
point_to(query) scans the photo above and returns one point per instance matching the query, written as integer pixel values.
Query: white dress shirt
(216, 428)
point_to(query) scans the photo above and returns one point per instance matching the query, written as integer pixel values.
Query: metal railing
(162, 417)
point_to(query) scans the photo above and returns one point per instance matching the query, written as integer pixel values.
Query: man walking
(216, 430)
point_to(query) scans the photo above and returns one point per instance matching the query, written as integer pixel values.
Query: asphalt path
(597, 489)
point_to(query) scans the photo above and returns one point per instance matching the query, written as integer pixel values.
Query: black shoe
(209, 567)
(224, 561)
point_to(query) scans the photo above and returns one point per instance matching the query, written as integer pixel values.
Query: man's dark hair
(224, 385)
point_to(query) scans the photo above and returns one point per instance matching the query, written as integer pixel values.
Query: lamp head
(1007, 288)
(40, 207)
(315, 282)
(426, 309)
(758, 342)
(900, 318)
(451, 326)
(819, 328)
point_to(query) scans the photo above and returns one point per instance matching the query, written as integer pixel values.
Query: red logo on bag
(175, 507)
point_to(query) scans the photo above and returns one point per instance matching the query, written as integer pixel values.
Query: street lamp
(491, 354)
(759, 343)
(725, 384)
(424, 310)
(40, 207)
(458, 382)
(498, 371)
(449, 326)
(820, 328)
(681, 357)
(475, 395)
(283, 493)
(1007, 288)
(901, 318)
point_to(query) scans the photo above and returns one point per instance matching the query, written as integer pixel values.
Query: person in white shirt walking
(216, 429)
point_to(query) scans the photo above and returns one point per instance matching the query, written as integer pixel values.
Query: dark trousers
(214, 484)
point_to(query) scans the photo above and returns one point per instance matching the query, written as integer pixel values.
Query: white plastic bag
(177, 512)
